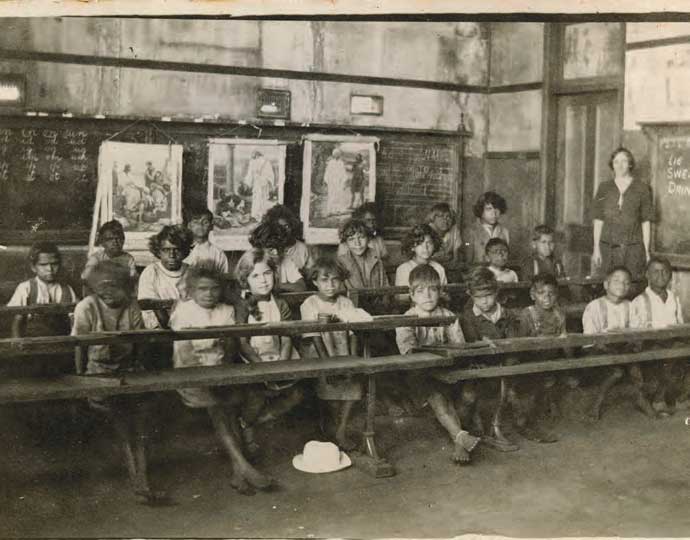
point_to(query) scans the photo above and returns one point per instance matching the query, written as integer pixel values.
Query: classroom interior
(529, 108)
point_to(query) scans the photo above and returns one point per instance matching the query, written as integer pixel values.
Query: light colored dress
(158, 283)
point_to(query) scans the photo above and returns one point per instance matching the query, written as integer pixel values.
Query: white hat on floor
(321, 457)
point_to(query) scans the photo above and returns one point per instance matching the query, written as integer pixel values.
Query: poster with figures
(140, 186)
(246, 177)
(339, 175)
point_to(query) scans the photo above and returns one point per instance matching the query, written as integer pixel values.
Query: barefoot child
(204, 253)
(544, 318)
(340, 393)
(425, 291)
(111, 238)
(112, 308)
(659, 307)
(44, 288)
(204, 309)
(497, 257)
(609, 313)
(485, 319)
(488, 209)
(255, 272)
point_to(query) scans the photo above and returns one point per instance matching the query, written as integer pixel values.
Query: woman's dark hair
(328, 265)
(113, 227)
(628, 153)
(492, 198)
(270, 235)
(177, 235)
(280, 211)
(352, 227)
(43, 247)
(416, 236)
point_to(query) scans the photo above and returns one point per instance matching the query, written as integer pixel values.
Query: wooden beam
(242, 71)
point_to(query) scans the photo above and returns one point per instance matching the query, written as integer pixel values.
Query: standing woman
(623, 212)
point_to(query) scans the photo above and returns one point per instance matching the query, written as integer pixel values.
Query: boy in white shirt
(659, 307)
(204, 253)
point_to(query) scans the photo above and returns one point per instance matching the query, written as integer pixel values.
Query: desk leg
(374, 464)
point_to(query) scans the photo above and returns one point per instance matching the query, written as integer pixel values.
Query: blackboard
(671, 185)
(49, 169)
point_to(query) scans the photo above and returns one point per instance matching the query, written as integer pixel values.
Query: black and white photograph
(352, 269)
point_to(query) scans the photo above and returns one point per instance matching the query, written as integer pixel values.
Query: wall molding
(517, 154)
(653, 43)
(513, 88)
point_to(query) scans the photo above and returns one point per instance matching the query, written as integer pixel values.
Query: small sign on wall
(365, 104)
(12, 91)
(273, 104)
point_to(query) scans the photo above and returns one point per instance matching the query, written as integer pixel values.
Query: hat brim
(299, 464)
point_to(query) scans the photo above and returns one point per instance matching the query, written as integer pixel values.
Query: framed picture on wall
(339, 175)
(246, 177)
(139, 185)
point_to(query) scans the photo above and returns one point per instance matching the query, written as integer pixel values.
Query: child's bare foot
(644, 406)
(240, 484)
(464, 444)
(536, 434)
(661, 409)
(150, 497)
(257, 479)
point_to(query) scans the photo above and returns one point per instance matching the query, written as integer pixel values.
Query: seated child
(204, 309)
(543, 258)
(204, 252)
(363, 263)
(609, 313)
(488, 209)
(298, 251)
(497, 257)
(44, 288)
(444, 223)
(485, 319)
(368, 213)
(112, 308)
(275, 239)
(164, 280)
(111, 238)
(659, 307)
(419, 244)
(544, 318)
(425, 291)
(340, 393)
(256, 272)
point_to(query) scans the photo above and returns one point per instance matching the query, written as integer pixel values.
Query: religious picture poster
(339, 175)
(140, 186)
(246, 177)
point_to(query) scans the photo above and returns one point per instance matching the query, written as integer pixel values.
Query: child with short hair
(425, 291)
(275, 239)
(488, 209)
(204, 252)
(45, 287)
(362, 262)
(497, 257)
(443, 221)
(204, 309)
(112, 308)
(298, 252)
(419, 244)
(111, 238)
(484, 319)
(608, 313)
(659, 307)
(340, 393)
(544, 318)
(256, 274)
(369, 214)
(543, 257)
